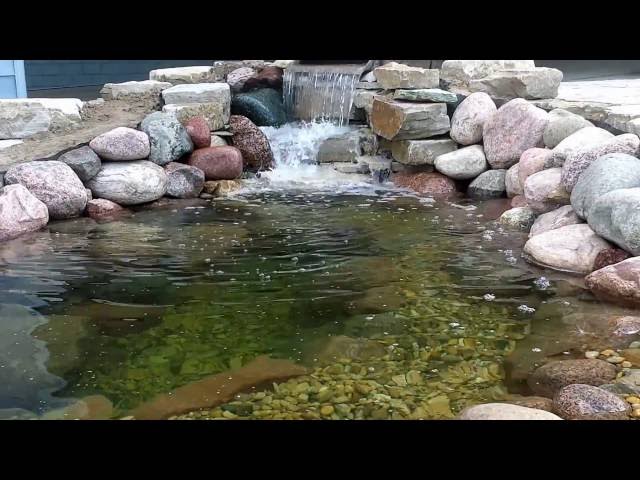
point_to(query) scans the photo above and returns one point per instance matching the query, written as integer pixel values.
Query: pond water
(136, 307)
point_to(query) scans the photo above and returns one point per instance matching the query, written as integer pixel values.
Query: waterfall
(320, 92)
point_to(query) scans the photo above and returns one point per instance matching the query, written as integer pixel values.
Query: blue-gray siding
(12, 82)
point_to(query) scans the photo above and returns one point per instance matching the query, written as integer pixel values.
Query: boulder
(102, 209)
(217, 163)
(340, 148)
(434, 95)
(146, 91)
(615, 216)
(216, 114)
(397, 75)
(395, 120)
(586, 402)
(184, 181)
(509, 84)
(421, 152)
(121, 143)
(585, 137)
(129, 183)
(53, 183)
(578, 161)
(237, 78)
(252, 143)
(467, 122)
(562, 123)
(544, 191)
(462, 164)
(504, 411)
(618, 283)
(20, 212)
(532, 401)
(24, 117)
(610, 256)
(218, 93)
(532, 161)
(199, 132)
(181, 75)
(519, 201)
(83, 161)
(431, 184)
(168, 139)
(520, 218)
(263, 107)
(550, 378)
(607, 173)
(490, 184)
(560, 217)
(512, 181)
(268, 77)
(456, 75)
(514, 128)
(572, 248)
(364, 99)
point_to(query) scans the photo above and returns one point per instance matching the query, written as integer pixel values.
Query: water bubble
(489, 297)
(542, 283)
(526, 309)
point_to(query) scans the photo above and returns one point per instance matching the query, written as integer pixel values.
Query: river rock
(169, 140)
(221, 187)
(562, 123)
(519, 201)
(432, 184)
(83, 161)
(578, 161)
(572, 248)
(468, 120)
(101, 209)
(610, 256)
(421, 152)
(583, 138)
(518, 218)
(218, 141)
(512, 181)
(434, 95)
(560, 217)
(129, 183)
(615, 216)
(509, 84)
(252, 143)
(607, 173)
(121, 143)
(548, 379)
(263, 107)
(544, 191)
(532, 161)
(199, 132)
(394, 75)
(180, 75)
(218, 163)
(20, 212)
(54, 184)
(514, 128)
(268, 77)
(465, 163)
(586, 402)
(490, 184)
(147, 91)
(184, 181)
(505, 411)
(238, 77)
(396, 120)
(619, 283)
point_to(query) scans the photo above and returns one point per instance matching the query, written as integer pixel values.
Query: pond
(440, 309)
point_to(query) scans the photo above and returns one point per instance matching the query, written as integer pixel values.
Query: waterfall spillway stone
(321, 92)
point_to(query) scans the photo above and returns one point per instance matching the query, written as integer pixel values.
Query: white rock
(9, 143)
(464, 163)
(129, 183)
(469, 118)
(457, 74)
(397, 75)
(23, 117)
(505, 411)
(181, 75)
(144, 90)
(198, 93)
(560, 217)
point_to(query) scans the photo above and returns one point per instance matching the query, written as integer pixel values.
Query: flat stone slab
(24, 117)
(180, 75)
(615, 102)
(9, 143)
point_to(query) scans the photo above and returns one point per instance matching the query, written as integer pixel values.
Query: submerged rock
(490, 184)
(20, 212)
(54, 183)
(101, 209)
(431, 184)
(505, 411)
(547, 380)
(217, 389)
(618, 283)
(519, 218)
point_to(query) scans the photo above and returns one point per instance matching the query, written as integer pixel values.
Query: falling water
(320, 94)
